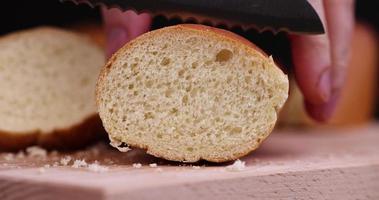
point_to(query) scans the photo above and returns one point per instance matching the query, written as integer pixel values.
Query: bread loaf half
(191, 92)
(47, 83)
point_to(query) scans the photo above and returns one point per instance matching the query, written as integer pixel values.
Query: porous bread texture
(48, 78)
(191, 92)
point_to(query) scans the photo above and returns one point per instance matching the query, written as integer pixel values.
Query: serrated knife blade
(295, 16)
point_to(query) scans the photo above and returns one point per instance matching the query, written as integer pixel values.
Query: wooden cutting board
(291, 164)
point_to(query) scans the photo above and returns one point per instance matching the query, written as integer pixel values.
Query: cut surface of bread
(191, 92)
(48, 78)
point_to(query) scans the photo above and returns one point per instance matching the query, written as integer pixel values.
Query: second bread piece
(47, 83)
(191, 92)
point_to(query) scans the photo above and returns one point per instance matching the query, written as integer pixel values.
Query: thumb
(121, 27)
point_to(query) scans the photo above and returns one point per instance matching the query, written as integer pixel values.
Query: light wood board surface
(291, 164)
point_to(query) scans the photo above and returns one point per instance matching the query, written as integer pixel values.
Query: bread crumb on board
(196, 167)
(42, 170)
(31, 152)
(79, 164)
(65, 160)
(12, 156)
(153, 165)
(55, 164)
(20, 155)
(237, 166)
(35, 151)
(95, 167)
(137, 165)
(9, 157)
(57, 160)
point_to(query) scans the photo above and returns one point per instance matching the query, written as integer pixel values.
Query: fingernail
(116, 38)
(323, 112)
(325, 85)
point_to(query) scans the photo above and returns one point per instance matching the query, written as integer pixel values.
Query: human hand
(121, 27)
(320, 61)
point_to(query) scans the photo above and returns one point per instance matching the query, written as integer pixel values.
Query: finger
(312, 62)
(323, 112)
(340, 18)
(121, 27)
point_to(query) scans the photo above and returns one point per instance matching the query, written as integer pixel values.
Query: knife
(294, 16)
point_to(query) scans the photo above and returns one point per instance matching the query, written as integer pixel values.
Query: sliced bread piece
(48, 78)
(191, 92)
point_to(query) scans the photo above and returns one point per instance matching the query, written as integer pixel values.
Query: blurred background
(359, 103)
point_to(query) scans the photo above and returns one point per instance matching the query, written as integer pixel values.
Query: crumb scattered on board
(79, 164)
(196, 167)
(31, 152)
(65, 160)
(97, 168)
(97, 158)
(36, 151)
(237, 166)
(137, 165)
(153, 165)
(35, 156)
